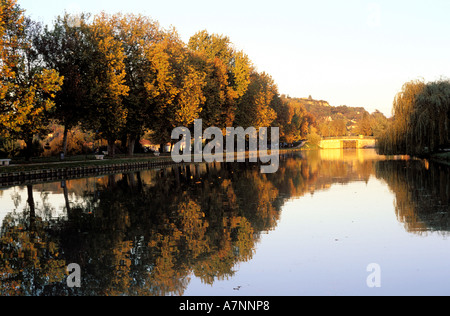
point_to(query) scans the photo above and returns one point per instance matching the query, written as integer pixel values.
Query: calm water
(225, 229)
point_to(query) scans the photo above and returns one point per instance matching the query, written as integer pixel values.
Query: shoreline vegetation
(421, 122)
(106, 83)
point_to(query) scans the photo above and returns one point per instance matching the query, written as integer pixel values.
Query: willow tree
(421, 119)
(431, 117)
(397, 138)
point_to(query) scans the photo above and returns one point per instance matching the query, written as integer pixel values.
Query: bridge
(356, 142)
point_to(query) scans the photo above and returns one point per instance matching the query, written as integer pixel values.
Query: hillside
(323, 110)
(343, 120)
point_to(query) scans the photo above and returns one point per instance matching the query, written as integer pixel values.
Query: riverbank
(17, 174)
(38, 173)
(74, 162)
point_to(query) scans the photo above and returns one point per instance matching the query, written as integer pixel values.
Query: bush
(78, 141)
(314, 139)
(10, 148)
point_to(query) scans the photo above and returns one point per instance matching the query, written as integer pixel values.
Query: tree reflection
(30, 258)
(422, 191)
(149, 233)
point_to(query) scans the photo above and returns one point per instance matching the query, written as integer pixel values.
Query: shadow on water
(148, 233)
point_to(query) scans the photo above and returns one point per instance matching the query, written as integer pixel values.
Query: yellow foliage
(24, 104)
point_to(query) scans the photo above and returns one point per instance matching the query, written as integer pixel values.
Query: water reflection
(149, 233)
(422, 191)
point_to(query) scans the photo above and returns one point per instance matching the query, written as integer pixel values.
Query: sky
(349, 52)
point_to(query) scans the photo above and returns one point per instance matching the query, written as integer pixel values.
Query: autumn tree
(285, 113)
(294, 121)
(138, 34)
(77, 47)
(176, 88)
(333, 128)
(379, 123)
(227, 72)
(11, 38)
(255, 106)
(27, 89)
(365, 125)
(220, 98)
(65, 47)
(107, 86)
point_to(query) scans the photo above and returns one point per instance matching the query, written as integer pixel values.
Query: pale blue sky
(350, 52)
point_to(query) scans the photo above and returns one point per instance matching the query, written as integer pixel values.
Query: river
(336, 222)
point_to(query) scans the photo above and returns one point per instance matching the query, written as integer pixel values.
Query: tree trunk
(131, 144)
(65, 140)
(111, 148)
(29, 150)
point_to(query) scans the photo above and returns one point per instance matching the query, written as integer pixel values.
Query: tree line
(421, 120)
(123, 75)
